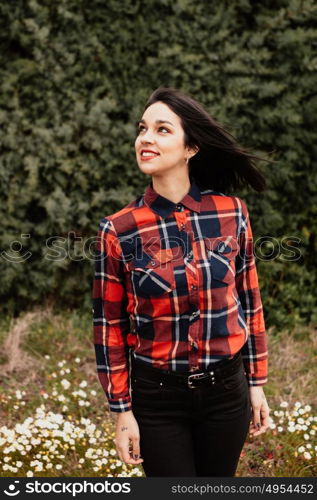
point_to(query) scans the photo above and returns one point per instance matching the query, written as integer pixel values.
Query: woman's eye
(141, 127)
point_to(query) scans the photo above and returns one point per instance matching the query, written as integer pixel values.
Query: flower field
(54, 420)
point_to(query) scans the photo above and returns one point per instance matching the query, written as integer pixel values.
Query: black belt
(222, 369)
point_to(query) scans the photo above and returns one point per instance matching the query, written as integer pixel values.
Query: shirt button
(194, 287)
(153, 262)
(190, 255)
(194, 346)
(221, 247)
(194, 314)
(182, 227)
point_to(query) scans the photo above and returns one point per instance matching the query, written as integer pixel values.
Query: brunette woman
(179, 331)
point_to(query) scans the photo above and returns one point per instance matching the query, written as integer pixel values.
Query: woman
(179, 331)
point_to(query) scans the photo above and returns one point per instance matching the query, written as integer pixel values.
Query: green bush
(74, 78)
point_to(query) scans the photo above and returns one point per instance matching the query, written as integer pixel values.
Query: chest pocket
(152, 276)
(221, 252)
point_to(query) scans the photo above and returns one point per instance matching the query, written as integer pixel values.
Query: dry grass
(35, 343)
(293, 367)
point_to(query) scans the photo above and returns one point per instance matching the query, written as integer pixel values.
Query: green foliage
(74, 77)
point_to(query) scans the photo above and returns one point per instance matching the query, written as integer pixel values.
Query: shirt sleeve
(254, 351)
(110, 319)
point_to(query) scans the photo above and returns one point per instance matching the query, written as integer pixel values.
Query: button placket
(194, 314)
(189, 255)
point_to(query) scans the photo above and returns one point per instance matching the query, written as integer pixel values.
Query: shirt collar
(163, 206)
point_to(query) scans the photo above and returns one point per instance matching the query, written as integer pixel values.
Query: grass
(54, 419)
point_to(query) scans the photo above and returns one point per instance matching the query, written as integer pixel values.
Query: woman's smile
(148, 154)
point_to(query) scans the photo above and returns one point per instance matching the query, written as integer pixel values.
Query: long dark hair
(221, 163)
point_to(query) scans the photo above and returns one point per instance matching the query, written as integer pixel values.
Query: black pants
(191, 432)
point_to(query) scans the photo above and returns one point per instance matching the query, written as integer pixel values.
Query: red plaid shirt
(177, 284)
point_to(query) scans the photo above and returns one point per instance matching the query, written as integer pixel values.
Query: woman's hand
(127, 429)
(260, 411)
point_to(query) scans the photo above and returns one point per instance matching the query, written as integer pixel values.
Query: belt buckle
(197, 376)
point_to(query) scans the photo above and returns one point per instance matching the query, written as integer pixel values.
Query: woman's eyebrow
(156, 121)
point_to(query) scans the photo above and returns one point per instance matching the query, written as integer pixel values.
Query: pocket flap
(227, 246)
(150, 262)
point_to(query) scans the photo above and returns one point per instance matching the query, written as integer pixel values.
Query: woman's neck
(172, 188)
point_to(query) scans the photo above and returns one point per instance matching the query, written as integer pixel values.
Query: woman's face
(159, 145)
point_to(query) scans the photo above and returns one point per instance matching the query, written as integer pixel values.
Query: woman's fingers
(136, 449)
(129, 453)
(261, 421)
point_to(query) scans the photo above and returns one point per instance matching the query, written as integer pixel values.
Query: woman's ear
(193, 151)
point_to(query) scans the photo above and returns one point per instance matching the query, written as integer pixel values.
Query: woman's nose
(147, 137)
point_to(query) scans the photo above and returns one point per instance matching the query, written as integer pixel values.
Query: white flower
(81, 394)
(58, 466)
(83, 383)
(306, 436)
(65, 383)
(280, 429)
(284, 404)
(29, 472)
(307, 455)
(301, 449)
(77, 360)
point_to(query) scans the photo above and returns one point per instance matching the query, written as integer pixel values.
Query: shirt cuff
(120, 405)
(254, 381)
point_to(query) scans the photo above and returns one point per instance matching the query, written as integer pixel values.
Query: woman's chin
(149, 169)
